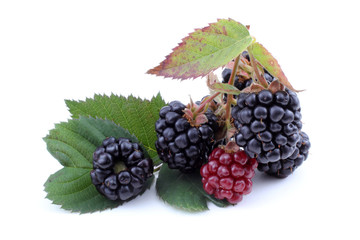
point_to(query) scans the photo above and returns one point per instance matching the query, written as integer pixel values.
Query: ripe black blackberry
(226, 73)
(120, 169)
(179, 143)
(268, 124)
(285, 167)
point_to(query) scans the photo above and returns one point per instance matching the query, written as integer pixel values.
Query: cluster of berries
(268, 134)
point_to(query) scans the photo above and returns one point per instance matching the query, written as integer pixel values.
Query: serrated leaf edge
(156, 70)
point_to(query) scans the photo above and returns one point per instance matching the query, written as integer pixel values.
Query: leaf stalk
(204, 103)
(230, 97)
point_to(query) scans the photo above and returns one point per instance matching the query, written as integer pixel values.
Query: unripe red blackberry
(120, 169)
(228, 175)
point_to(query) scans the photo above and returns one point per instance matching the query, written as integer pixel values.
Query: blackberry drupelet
(285, 167)
(179, 144)
(120, 169)
(228, 175)
(268, 124)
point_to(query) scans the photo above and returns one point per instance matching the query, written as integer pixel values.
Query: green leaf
(264, 57)
(205, 50)
(184, 191)
(72, 189)
(134, 114)
(72, 143)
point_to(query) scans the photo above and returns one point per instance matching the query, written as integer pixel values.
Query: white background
(56, 50)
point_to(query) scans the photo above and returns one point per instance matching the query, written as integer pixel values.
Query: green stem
(203, 104)
(253, 64)
(230, 97)
(234, 70)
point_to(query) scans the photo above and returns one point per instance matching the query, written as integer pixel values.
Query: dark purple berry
(171, 117)
(269, 126)
(108, 141)
(115, 154)
(105, 161)
(181, 145)
(111, 182)
(276, 113)
(265, 97)
(257, 126)
(124, 177)
(282, 98)
(260, 112)
(125, 192)
(245, 115)
(126, 148)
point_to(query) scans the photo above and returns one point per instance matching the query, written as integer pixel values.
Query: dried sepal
(253, 88)
(200, 119)
(275, 86)
(231, 147)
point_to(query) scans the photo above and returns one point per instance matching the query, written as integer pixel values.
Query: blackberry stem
(253, 63)
(234, 70)
(203, 104)
(230, 97)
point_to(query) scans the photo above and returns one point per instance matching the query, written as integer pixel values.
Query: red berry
(226, 183)
(249, 173)
(208, 188)
(214, 181)
(226, 193)
(225, 159)
(239, 186)
(241, 157)
(237, 197)
(228, 175)
(205, 171)
(223, 171)
(237, 170)
(213, 166)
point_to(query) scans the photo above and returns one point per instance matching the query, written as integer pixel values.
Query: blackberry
(268, 124)
(226, 73)
(120, 169)
(246, 55)
(268, 77)
(228, 175)
(179, 144)
(285, 167)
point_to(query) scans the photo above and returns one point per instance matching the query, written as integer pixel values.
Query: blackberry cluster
(285, 167)
(120, 169)
(228, 175)
(268, 124)
(179, 144)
